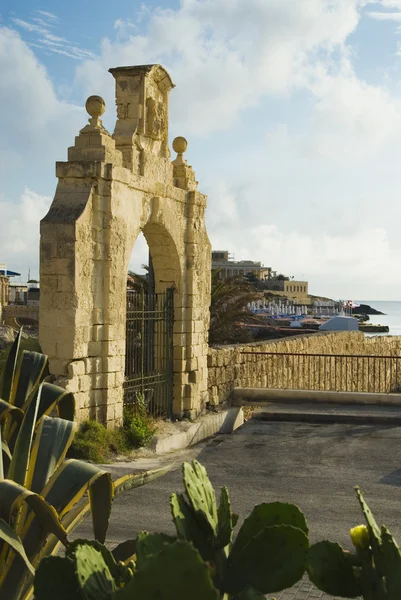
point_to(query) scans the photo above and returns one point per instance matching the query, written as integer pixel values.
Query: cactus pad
(331, 571)
(271, 561)
(55, 579)
(188, 527)
(267, 515)
(149, 545)
(249, 594)
(225, 520)
(375, 533)
(93, 574)
(392, 557)
(177, 572)
(201, 495)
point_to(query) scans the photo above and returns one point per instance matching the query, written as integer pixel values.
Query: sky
(291, 109)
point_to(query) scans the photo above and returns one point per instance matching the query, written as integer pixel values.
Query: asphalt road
(314, 466)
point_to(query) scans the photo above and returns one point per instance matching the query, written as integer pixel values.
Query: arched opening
(153, 281)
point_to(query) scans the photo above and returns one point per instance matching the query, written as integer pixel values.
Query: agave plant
(43, 496)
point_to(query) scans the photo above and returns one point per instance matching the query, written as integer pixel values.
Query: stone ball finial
(95, 106)
(180, 145)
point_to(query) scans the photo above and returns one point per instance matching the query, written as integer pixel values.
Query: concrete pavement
(315, 466)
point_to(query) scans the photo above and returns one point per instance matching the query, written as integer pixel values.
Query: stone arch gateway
(111, 188)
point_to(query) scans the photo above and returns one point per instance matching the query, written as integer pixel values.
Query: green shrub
(96, 443)
(139, 427)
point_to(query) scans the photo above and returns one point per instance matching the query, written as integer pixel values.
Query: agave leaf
(54, 396)
(134, 480)
(101, 494)
(19, 462)
(13, 495)
(53, 437)
(27, 377)
(8, 535)
(7, 409)
(65, 488)
(77, 514)
(10, 368)
(1, 459)
(5, 458)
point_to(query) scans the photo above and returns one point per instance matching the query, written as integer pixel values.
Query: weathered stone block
(76, 368)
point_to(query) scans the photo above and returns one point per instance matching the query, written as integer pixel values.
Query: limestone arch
(111, 188)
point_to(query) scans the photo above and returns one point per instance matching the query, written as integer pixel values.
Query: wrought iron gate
(149, 351)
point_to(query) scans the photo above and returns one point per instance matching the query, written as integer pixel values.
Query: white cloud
(44, 38)
(36, 129)
(385, 16)
(225, 55)
(20, 238)
(32, 115)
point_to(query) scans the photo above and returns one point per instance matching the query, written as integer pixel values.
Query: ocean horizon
(391, 316)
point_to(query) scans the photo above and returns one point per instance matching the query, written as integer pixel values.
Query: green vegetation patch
(96, 443)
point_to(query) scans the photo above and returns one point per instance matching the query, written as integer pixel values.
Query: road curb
(324, 418)
(225, 421)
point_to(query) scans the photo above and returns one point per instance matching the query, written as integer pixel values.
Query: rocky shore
(365, 309)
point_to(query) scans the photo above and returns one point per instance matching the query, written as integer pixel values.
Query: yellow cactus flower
(360, 537)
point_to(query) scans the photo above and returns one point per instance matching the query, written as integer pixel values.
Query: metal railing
(149, 351)
(330, 372)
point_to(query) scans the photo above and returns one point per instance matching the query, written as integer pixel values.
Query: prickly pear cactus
(374, 533)
(201, 495)
(267, 515)
(188, 528)
(94, 577)
(149, 545)
(330, 568)
(272, 560)
(178, 572)
(225, 523)
(392, 559)
(55, 579)
(249, 594)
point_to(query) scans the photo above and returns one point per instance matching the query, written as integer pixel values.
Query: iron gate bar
(149, 351)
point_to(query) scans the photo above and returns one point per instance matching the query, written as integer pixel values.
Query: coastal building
(228, 267)
(294, 290)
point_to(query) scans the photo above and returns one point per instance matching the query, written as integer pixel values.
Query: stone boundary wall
(229, 368)
(16, 311)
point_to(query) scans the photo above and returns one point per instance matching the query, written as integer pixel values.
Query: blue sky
(292, 111)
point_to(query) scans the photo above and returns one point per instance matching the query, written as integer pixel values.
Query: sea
(391, 316)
